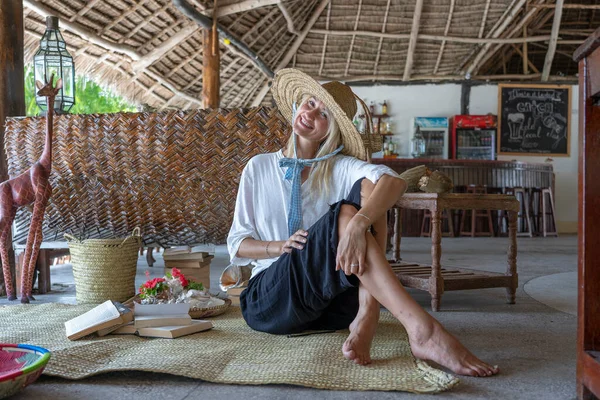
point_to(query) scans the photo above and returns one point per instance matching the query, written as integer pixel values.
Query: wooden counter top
(493, 174)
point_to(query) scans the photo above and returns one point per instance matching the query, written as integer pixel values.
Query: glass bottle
(384, 108)
(417, 144)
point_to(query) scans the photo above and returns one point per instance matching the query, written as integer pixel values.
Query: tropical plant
(90, 97)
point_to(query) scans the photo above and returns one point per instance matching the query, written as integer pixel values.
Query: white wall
(443, 100)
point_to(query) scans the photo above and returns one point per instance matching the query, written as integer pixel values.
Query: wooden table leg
(397, 234)
(149, 259)
(511, 267)
(43, 266)
(436, 282)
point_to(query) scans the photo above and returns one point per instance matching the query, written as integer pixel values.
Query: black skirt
(302, 290)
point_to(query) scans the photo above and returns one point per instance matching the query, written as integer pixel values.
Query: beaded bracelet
(363, 215)
(267, 249)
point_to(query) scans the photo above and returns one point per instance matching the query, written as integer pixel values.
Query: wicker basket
(104, 269)
(373, 142)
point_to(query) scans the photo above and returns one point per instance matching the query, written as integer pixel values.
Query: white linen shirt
(263, 200)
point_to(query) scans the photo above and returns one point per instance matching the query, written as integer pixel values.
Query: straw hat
(291, 85)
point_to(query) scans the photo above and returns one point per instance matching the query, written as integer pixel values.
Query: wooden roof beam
(385, 18)
(448, 21)
(513, 13)
(142, 24)
(353, 38)
(84, 10)
(240, 7)
(484, 18)
(165, 47)
(436, 38)
(288, 56)
(516, 30)
(412, 44)
(325, 39)
(84, 33)
(572, 6)
(288, 18)
(553, 39)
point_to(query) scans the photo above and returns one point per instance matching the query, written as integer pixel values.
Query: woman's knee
(366, 188)
(347, 211)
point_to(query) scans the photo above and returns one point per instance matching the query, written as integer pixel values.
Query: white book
(169, 332)
(153, 315)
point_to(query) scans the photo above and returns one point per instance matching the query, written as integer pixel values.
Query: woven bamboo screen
(174, 174)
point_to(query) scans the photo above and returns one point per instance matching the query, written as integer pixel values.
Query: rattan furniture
(434, 278)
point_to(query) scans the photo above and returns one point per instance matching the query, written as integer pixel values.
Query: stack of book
(193, 262)
(155, 320)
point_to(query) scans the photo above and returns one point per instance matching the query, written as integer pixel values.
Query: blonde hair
(321, 172)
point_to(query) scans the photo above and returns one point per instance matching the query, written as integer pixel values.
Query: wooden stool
(524, 220)
(547, 216)
(487, 214)
(446, 216)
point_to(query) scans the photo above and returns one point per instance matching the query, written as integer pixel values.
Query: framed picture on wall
(534, 120)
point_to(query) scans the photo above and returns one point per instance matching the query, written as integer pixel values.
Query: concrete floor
(533, 343)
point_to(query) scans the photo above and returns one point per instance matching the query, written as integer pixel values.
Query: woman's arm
(386, 192)
(261, 249)
(352, 244)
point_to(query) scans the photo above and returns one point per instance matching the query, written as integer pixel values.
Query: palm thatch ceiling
(151, 53)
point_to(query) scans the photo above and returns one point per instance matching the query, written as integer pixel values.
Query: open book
(106, 315)
(169, 332)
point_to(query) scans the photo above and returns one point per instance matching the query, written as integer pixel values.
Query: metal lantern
(53, 58)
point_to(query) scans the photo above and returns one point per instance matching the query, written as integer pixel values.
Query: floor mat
(229, 353)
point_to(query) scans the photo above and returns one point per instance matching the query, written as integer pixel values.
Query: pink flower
(176, 273)
(184, 282)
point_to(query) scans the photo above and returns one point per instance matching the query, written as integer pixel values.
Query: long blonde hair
(322, 171)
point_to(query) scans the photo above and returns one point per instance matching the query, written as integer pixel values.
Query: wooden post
(210, 71)
(12, 85)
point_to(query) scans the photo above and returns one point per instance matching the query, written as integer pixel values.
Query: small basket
(104, 269)
(373, 142)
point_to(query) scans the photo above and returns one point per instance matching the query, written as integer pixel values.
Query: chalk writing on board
(534, 120)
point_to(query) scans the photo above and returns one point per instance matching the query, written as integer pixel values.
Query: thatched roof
(151, 53)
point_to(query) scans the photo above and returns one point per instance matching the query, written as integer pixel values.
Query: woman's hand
(352, 250)
(296, 241)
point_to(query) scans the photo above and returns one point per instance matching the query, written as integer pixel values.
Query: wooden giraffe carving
(32, 186)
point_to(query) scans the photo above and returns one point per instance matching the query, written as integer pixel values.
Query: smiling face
(312, 120)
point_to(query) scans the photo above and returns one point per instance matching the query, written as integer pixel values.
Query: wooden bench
(48, 251)
(435, 279)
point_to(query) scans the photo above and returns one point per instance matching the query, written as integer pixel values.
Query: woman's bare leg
(428, 338)
(362, 330)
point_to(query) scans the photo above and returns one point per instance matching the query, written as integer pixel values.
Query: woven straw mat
(229, 353)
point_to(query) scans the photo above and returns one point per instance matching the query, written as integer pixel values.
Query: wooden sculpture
(32, 186)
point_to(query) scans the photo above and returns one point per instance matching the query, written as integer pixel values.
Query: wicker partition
(174, 174)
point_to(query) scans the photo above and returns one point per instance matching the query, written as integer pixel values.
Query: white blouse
(263, 200)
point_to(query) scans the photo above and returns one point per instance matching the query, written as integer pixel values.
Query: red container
(473, 137)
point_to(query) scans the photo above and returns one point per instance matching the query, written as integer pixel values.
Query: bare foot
(434, 343)
(357, 347)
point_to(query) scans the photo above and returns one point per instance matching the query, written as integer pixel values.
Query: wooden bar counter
(496, 175)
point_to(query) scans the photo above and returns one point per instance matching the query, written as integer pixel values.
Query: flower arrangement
(175, 287)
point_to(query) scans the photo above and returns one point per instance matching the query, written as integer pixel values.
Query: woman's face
(312, 120)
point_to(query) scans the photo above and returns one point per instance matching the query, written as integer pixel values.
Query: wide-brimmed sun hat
(291, 86)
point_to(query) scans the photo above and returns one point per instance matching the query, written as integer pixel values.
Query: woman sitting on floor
(311, 218)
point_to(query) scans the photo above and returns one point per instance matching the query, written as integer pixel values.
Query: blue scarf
(294, 173)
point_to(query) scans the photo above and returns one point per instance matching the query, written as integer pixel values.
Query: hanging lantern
(53, 58)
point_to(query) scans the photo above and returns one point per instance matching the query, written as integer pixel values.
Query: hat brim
(291, 85)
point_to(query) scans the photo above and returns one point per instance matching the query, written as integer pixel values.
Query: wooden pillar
(12, 85)
(210, 69)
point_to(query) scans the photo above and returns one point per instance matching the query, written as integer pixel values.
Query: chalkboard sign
(534, 119)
